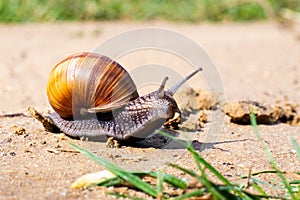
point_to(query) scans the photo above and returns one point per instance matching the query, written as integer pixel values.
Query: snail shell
(88, 83)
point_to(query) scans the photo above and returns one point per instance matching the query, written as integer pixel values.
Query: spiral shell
(87, 83)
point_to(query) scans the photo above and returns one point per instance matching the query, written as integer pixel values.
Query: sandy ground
(257, 61)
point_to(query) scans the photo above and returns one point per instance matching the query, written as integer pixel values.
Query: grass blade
(296, 146)
(295, 182)
(197, 157)
(121, 173)
(199, 160)
(258, 173)
(259, 189)
(159, 184)
(182, 143)
(191, 194)
(270, 157)
(210, 187)
(109, 182)
(185, 170)
(172, 180)
(256, 181)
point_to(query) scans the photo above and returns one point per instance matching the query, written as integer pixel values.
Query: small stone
(112, 143)
(203, 118)
(26, 150)
(3, 154)
(62, 136)
(12, 153)
(53, 151)
(19, 130)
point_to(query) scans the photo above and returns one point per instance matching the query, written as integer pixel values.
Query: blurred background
(13, 11)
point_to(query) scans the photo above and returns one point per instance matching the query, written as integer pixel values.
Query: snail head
(166, 96)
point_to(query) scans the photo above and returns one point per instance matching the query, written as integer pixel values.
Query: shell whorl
(88, 82)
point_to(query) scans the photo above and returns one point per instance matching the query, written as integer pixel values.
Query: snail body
(97, 97)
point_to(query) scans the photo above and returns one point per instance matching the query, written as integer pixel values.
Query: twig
(14, 115)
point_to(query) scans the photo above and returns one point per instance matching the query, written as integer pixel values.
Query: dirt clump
(18, 130)
(239, 112)
(194, 105)
(197, 99)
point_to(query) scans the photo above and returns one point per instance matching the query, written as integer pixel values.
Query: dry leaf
(92, 178)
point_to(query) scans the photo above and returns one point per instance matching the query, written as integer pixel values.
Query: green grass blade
(295, 182)
(296, 146)
(185, 170)
(195, 193)
(258, 173)
(266, 183)
(199, 159)
(259, 189)
(209, 186)
(182, 143)
(270, 157)
(109, 182)
(226, 191)
(159, 184)
(212, 189)
(121, 173)
(172, 180)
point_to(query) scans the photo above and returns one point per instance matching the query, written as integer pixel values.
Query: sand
(255, 61)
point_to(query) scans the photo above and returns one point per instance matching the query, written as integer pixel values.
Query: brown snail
(93, 95)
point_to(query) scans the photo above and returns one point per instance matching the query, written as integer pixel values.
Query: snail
(92, 95)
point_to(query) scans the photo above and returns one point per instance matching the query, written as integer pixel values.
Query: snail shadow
(162, 142)
(159, 141)
(156, 140)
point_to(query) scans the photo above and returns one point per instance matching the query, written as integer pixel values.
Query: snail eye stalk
(161, 90)
(173, 89)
